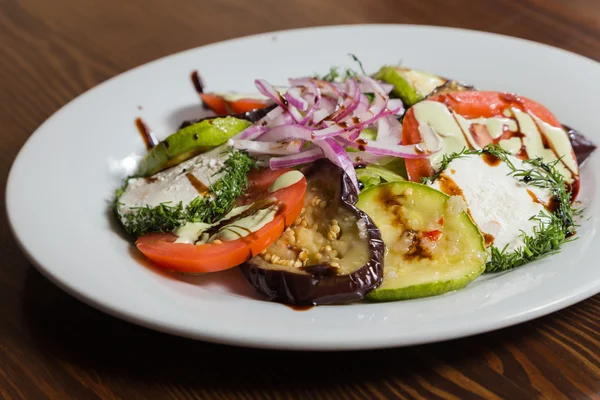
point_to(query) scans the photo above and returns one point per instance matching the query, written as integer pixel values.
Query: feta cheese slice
(499, 204)
(180, 183)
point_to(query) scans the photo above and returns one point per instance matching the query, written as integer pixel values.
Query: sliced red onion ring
(327, 107)
(351, 102)
(385, 149)
(320, 115)
(328, 88)
(364, 157)
(304, 81)
(389, 129)
(283, 119)
(337, 155)
(339, 128)
(354, 134)
(294, 98)
(287, 132)
(261, 126)
(380, 96)
(296, 159)
(383, 128)
(271, 115)
(281, 148)
(317, 102)
(387, 87)
(331, 116)
(268, 90)
(251, 133)
(396, 104)
(363, 105)
(367, 87)
(328, 104)
(296, 115)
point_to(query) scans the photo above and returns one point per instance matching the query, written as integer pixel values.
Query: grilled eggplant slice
(582, 146)
(331, 254)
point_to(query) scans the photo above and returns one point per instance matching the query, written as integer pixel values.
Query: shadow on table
(71, 331)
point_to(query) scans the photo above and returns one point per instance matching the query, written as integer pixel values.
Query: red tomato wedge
(471, 105)
(183, 257)
(243, 105)
(215, 103)
(221, 106)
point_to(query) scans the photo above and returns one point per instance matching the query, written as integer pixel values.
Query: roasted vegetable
(189, 142)
(410, 85)
(331, 254)
(183, 193)
(373, 175)
(449, 87)
(475, 119)
(250, 115)
(433, 247)
(273, 200)
(582, 146)
(227, 103)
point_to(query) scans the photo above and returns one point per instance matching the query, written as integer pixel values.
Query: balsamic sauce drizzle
(146, 133)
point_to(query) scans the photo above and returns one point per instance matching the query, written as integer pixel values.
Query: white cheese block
(499, 204)
(174, 185)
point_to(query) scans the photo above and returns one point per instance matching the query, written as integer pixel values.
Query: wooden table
(52, 346)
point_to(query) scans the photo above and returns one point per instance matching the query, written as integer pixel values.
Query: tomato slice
(243, 105)
(221, 106)
(471, 105)
(215, 103)
(184, 257)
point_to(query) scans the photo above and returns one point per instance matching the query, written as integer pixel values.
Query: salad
(350, 186)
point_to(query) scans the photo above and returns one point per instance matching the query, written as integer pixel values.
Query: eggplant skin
(322, 287)
(582, 146)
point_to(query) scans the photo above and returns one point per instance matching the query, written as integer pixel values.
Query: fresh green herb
(208, 209)
(553, 229)
(547, 238)
(334, 74)
(447, 159)
(358, 62)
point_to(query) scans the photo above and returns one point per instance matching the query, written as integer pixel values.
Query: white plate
(63, 179)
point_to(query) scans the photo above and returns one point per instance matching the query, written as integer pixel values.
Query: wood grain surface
(52, 346)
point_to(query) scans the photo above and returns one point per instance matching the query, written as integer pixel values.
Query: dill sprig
(553, 229)
(358, 62)
(447, 159)
(208, 209)
(331, 76)
(334, 74)
(548, 236)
